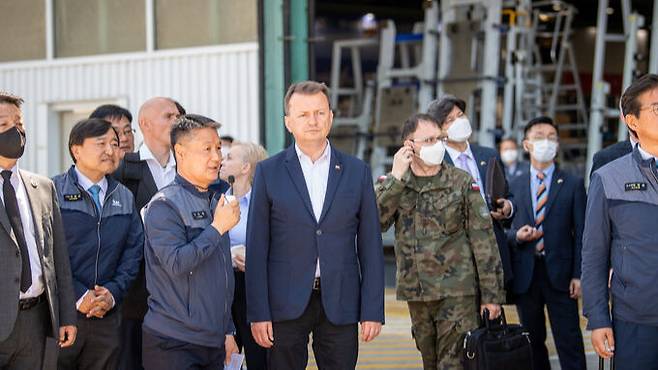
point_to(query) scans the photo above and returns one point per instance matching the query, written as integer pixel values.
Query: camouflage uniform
(446, 255)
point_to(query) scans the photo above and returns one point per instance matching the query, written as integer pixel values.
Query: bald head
(156, 116)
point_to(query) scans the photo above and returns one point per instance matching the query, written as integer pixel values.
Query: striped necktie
(542, 197)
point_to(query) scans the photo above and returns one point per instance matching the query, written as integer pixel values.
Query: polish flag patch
(381, 179)
(475, 186)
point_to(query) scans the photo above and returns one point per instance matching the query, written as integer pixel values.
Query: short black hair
(89, 128)
(630, 103)
(541, 120)
(411, 124)
(189, 122)
(510, 139)
(228, 138)
(441, 108)
(181, 110)
(111, 111)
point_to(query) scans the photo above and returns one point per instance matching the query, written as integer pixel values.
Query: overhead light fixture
(610, 10)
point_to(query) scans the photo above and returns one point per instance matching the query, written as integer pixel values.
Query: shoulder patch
(635, 186)
(475, 186)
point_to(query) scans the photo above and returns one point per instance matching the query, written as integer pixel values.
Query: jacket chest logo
(635, 186)
(199, 215)
(116, 203)
(72, 197)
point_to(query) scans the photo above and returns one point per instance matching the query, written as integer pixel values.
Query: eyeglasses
(653, 107)
(429, 140)
(127, 131)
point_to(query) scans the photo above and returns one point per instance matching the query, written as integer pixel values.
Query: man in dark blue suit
(313, 244)
(474, 159)
(545, 241)
(511, 158)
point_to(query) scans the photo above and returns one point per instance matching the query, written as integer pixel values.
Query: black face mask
(12, 143)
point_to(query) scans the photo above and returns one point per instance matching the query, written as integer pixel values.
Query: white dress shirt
(85, 183)
(161, 175)
(472, 165)
(316, 176)
(37, 288)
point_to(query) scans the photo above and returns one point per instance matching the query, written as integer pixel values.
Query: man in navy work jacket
(545, 241)
(313, 244)
(189, 274)
(621, 233)
(105, 240)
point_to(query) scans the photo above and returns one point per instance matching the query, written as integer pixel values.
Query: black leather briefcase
(496, 345)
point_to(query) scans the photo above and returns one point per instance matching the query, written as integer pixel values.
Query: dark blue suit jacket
(563, 230)
(284, 241)
(482, 155)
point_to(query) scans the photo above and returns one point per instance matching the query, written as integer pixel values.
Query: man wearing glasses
(448, 267)
(121, 121)
(620, 233)
(449, 111)
(545, 241)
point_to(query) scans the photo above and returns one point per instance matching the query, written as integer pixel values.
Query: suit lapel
(4, 220)
(556, 185)
(32, 190)
(526, 197)
(481, 165)
(335, 172)
(447, 159)
(297, 176)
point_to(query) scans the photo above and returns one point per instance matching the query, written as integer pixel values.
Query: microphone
(231, 181)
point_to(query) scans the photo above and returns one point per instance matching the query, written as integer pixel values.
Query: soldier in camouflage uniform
(446, 253)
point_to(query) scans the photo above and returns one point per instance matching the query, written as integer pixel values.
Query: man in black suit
(145, 172)
(614, 151)
(545, 241)
(474, 159)
(512, 159)
(37, 304)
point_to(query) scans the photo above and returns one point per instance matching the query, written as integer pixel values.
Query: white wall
(219, 81)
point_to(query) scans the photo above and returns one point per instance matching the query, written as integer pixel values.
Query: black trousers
(335, 347)
(162, 353)
(96, 345)
(130, 354)
(24, 348)
(635, 346)
(564, 318)
(255, 355)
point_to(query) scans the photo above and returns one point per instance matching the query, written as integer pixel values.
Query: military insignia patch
(635, 186)
(199, 215)
(72, 197)
(475, 186)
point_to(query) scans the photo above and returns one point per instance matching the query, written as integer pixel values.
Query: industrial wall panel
(219, 81)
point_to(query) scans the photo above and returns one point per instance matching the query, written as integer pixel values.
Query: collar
(191, 188)
(14, 173)
(86, 183)
(454, 153)
(548, 172)
(325, 154)
(644, 154)
(145, 154)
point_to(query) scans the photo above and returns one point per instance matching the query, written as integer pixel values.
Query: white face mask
(433, 155)
(460, 130)
(509, 156)
(544, 150)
